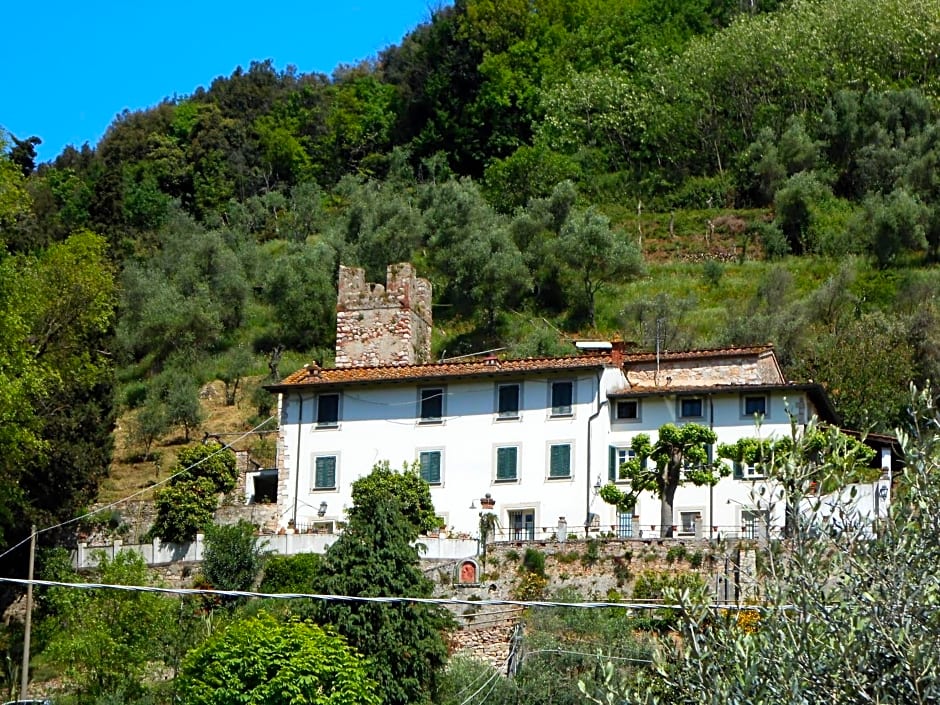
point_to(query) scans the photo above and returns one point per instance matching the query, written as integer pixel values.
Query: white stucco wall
(723, 505)
(380, 423)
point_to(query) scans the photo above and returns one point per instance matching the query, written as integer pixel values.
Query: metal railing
(633, 532)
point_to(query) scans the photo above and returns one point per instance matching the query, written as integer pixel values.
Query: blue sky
(70, 67)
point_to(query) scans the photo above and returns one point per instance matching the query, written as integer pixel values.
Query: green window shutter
(431, 467)
(560, 461)
(738, 470)
(509, 401)
(562, 395)
(506, 463)
(612, 470)
(325, 476)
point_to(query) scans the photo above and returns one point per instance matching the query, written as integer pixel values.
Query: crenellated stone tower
(383, 325)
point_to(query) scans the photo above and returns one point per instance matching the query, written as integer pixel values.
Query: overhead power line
(146, 489)
(386, 600)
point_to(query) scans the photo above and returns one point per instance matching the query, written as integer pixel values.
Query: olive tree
(846, 615)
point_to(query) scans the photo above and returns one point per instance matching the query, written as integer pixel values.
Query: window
(748, 471)
(562, 396)
(754, 523)
(507, 401)
(690, 523)
(324, 472)
(691, 407)
(624, 525)
(432, 404)
(616, 458)
(559, 460)
(522, 525)
(430, 461)
(507, 464)
(627, 410)
(754, 404)
(328, 410)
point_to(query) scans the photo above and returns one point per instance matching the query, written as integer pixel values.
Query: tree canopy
(262, 661)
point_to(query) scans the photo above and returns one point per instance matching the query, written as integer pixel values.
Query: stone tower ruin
(383, 325)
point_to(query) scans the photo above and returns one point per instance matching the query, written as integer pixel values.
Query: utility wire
(491, 681)
(358, 598)
(139, 492)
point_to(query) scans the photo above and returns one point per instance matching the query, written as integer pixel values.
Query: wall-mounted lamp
(597, 485)
(883, 492)
(322, 509)
(473, 504)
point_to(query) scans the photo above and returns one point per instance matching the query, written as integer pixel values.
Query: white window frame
(440, 467)
(680, 527)
(628, 419)
(497, 480)
(524, 533)
(313, 471)
(339, 406)
(754, 522)
(744, 399)
(500, 416)
(623, 454)
(686, 398)
(431, 420)
(551, 399)
(548, 460)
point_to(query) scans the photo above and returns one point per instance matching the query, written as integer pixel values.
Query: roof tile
(313, 375)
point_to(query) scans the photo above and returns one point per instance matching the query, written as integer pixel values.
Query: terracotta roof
(703, 354)
(314, 376)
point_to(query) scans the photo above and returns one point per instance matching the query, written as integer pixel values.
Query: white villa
(530, 439)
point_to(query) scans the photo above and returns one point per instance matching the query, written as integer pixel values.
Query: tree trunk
(666, 512)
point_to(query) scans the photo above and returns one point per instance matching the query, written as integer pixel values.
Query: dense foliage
(106, 641)
(475, 148)
(262, 661)
(375, 557)
(679, 456)
(232, 558)
(552, 166)
(186, 505)
(846, 615)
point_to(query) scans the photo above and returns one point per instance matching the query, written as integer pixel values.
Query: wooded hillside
(705, 172)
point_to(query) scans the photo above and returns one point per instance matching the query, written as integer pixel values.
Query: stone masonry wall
(746, 369)
(383, 325)
(611, 569)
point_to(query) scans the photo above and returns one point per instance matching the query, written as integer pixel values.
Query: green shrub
(529, 586)
(135, 394)
(567, 557)
(232, 558)
(534, 562)
(592, 553)
(655, 585)
(621, 571)
(185, 506)
(712, 272)
(676, 553)
(295, 573)
(183, 510)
